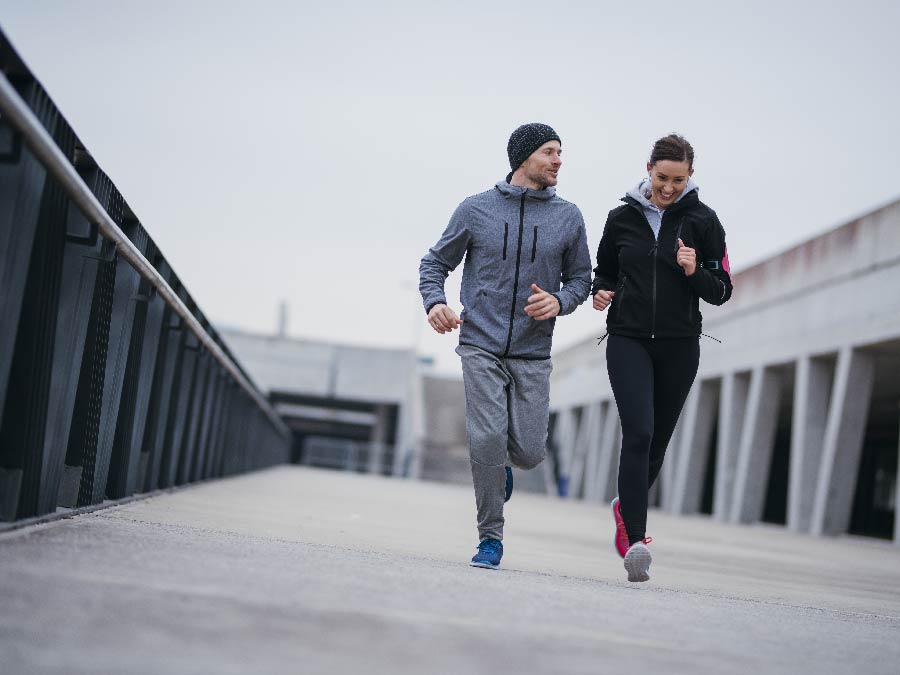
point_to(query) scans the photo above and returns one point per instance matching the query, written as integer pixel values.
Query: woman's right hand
(602, 299)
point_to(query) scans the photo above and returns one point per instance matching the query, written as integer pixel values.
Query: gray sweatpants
(507, 411)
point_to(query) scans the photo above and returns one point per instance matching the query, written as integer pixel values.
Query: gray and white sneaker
(637, 561)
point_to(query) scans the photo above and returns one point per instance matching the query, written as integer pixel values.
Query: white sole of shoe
(484, 565)
(637, 562)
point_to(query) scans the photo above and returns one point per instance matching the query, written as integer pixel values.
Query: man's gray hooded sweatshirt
(511, 237)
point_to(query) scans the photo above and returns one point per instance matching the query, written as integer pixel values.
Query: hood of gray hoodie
(641, 194)
(516, 191)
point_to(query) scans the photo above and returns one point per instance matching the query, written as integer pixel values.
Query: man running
(527, 262)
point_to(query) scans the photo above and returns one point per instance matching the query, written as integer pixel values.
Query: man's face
(542, 167)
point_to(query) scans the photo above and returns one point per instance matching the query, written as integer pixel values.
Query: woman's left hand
(687, 258)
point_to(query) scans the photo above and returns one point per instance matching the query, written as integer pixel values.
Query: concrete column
(661, 492)
(842, 446)
(667, 476)
(732, 406)
(897, 500)
(653, 495)
(693, 454)
(579, 453)
(546, 467)
(608, 457)
(678, 444)
(811, 392)
(757, 442)
(410, 426)
(592, 425)
(564, 437)
(378, 438)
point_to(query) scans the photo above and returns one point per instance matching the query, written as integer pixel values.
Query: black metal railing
(112, 381)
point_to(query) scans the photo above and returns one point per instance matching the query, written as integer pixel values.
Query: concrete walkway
(301, 571)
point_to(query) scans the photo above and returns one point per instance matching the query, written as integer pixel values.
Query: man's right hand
(602, 299)
(443, 319)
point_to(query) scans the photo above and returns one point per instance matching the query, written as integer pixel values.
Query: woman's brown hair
(672, 147)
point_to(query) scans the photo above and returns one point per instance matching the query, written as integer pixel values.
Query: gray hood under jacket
(653, 214)
(511, 237)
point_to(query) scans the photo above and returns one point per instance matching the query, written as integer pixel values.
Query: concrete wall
(322, 368)
(445, 453)
(326, 378)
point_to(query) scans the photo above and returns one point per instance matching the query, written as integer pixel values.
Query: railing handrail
(48, 153)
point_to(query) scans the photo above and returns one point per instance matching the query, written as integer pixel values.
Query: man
(527, 262)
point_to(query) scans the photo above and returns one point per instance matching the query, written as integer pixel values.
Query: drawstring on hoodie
(678, 232)
(605, 335)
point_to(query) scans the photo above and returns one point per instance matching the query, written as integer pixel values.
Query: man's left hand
(542, 306)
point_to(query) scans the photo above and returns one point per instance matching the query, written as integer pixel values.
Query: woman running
(660, 253)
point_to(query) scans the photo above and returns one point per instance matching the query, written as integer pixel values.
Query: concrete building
(355, 408)
(358, 408)
(445, 449)
(794, 417)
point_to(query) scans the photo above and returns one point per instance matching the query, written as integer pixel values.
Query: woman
(660, 253)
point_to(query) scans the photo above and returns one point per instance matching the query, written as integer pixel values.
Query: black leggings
(650, 380)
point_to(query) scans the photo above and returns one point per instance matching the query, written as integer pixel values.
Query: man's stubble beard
(542, 180)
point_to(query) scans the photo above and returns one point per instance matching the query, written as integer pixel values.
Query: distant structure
(358, 408)
(347, 407)
(282, 319)
(794, 418)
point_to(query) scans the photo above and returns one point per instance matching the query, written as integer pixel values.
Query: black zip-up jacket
(654, 297)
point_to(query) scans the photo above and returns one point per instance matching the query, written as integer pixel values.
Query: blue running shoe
(489, 553)
(509, 484)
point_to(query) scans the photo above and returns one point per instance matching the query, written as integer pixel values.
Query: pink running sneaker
(621, 539)
(637, 561)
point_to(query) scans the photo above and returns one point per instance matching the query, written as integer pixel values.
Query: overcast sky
(312, 152)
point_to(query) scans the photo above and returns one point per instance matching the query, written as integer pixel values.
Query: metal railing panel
(111, 379)
(41, 144)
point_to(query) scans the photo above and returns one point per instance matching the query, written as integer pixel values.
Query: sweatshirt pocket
(505, 238)
(487, 320)
(620, 297)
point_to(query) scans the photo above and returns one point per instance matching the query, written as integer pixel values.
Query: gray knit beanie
(526, 139)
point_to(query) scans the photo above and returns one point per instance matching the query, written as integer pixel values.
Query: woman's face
(667, 181)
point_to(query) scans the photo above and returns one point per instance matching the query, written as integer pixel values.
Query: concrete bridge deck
(293, 570)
